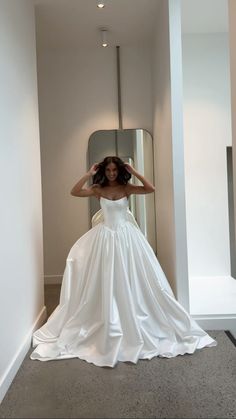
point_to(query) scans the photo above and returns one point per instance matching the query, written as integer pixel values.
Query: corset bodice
(114, 212)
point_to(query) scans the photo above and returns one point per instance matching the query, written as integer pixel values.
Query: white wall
(162, 131)
(168, 140)
(232, 42)
(207, 132)
(77, 96)
(21, 296)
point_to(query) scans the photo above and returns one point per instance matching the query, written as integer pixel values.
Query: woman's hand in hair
(129, 168)
(147, 186)
(79, 189)
(93, 169)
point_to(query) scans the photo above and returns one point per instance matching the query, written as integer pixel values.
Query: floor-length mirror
(135, 147)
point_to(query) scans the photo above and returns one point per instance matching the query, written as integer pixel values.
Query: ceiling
(76, 23)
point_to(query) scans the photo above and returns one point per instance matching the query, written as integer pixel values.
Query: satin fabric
(116, 303)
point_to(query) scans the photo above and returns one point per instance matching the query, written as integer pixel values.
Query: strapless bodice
(114, 212)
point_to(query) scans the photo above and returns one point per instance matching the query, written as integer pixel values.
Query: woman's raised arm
(147, 187)
(78, 189)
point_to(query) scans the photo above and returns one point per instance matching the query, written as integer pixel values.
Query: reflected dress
(115, 302)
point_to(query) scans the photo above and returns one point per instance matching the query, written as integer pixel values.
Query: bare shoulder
(137, 189)
(128, 188)
(96, 188)
(129, 185)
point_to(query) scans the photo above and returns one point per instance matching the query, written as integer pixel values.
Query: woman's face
(111, 172)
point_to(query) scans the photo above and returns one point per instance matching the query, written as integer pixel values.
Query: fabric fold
(116, 303)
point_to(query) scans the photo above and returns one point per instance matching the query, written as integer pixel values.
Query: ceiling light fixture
(101, 4)
(104, 37)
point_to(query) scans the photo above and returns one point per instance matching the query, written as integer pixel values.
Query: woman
(116, 303)
(111, 181)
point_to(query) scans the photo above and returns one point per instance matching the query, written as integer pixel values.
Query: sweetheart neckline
(113, 200)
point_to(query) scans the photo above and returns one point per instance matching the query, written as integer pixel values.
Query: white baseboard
(53, 279)
(17, 360)
(216, 322)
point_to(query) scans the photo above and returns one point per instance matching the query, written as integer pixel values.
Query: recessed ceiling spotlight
(101, 4)
(104, 37)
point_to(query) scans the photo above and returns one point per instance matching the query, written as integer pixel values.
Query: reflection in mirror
(135, 147)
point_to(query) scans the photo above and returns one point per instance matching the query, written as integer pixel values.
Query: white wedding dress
(116, 303)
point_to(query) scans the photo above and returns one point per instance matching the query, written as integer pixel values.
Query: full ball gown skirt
(116, 303)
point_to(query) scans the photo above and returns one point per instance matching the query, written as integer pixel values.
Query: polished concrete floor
(202, 385)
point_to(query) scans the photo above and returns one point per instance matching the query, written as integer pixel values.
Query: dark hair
(100, 176)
